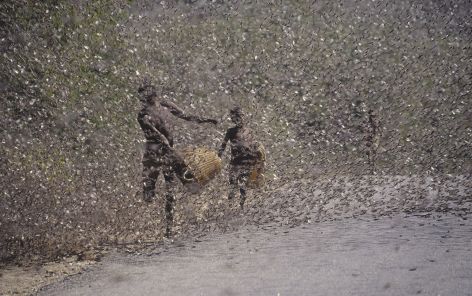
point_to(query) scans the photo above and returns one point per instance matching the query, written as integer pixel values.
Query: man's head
(147, 92)
(237, 116)
(372, 113)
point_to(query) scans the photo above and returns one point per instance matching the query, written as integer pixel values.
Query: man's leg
(243, 176)
(150, 175)
(371, 157)
(373, 160)
(375, 147)
(171, 189)
(242, 197)
(233, 182)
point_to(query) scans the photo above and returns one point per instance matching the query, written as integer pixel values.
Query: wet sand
(427, 254)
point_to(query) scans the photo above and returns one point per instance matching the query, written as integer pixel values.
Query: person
(372, 138)
(155, 119)
(244, 154)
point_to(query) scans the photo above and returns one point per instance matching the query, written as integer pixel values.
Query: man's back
(157, 117)
(243, 145)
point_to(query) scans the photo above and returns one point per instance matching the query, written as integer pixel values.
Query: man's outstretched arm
(223, 145)
(176, 111)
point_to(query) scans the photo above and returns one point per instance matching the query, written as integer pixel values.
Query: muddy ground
(328, 205)
(25, 280)
(400, 255)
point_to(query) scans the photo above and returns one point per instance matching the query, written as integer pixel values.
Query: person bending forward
(244, 154)
(155, 119)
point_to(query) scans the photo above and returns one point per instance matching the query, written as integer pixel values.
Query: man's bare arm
(156, 133)
(223, 145)
(178, 112)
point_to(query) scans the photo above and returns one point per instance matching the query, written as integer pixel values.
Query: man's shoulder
(145, 111)
(232, 131)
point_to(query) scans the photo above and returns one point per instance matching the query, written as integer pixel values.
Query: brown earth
(298, 203)
(25, 280)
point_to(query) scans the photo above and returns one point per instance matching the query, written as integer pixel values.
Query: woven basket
(256, 177)
(203, 164)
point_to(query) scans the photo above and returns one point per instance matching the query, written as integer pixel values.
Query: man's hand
(213, 121)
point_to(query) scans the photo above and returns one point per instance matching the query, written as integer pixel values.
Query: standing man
(373, 132)
(155, 119)
(244, 154)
